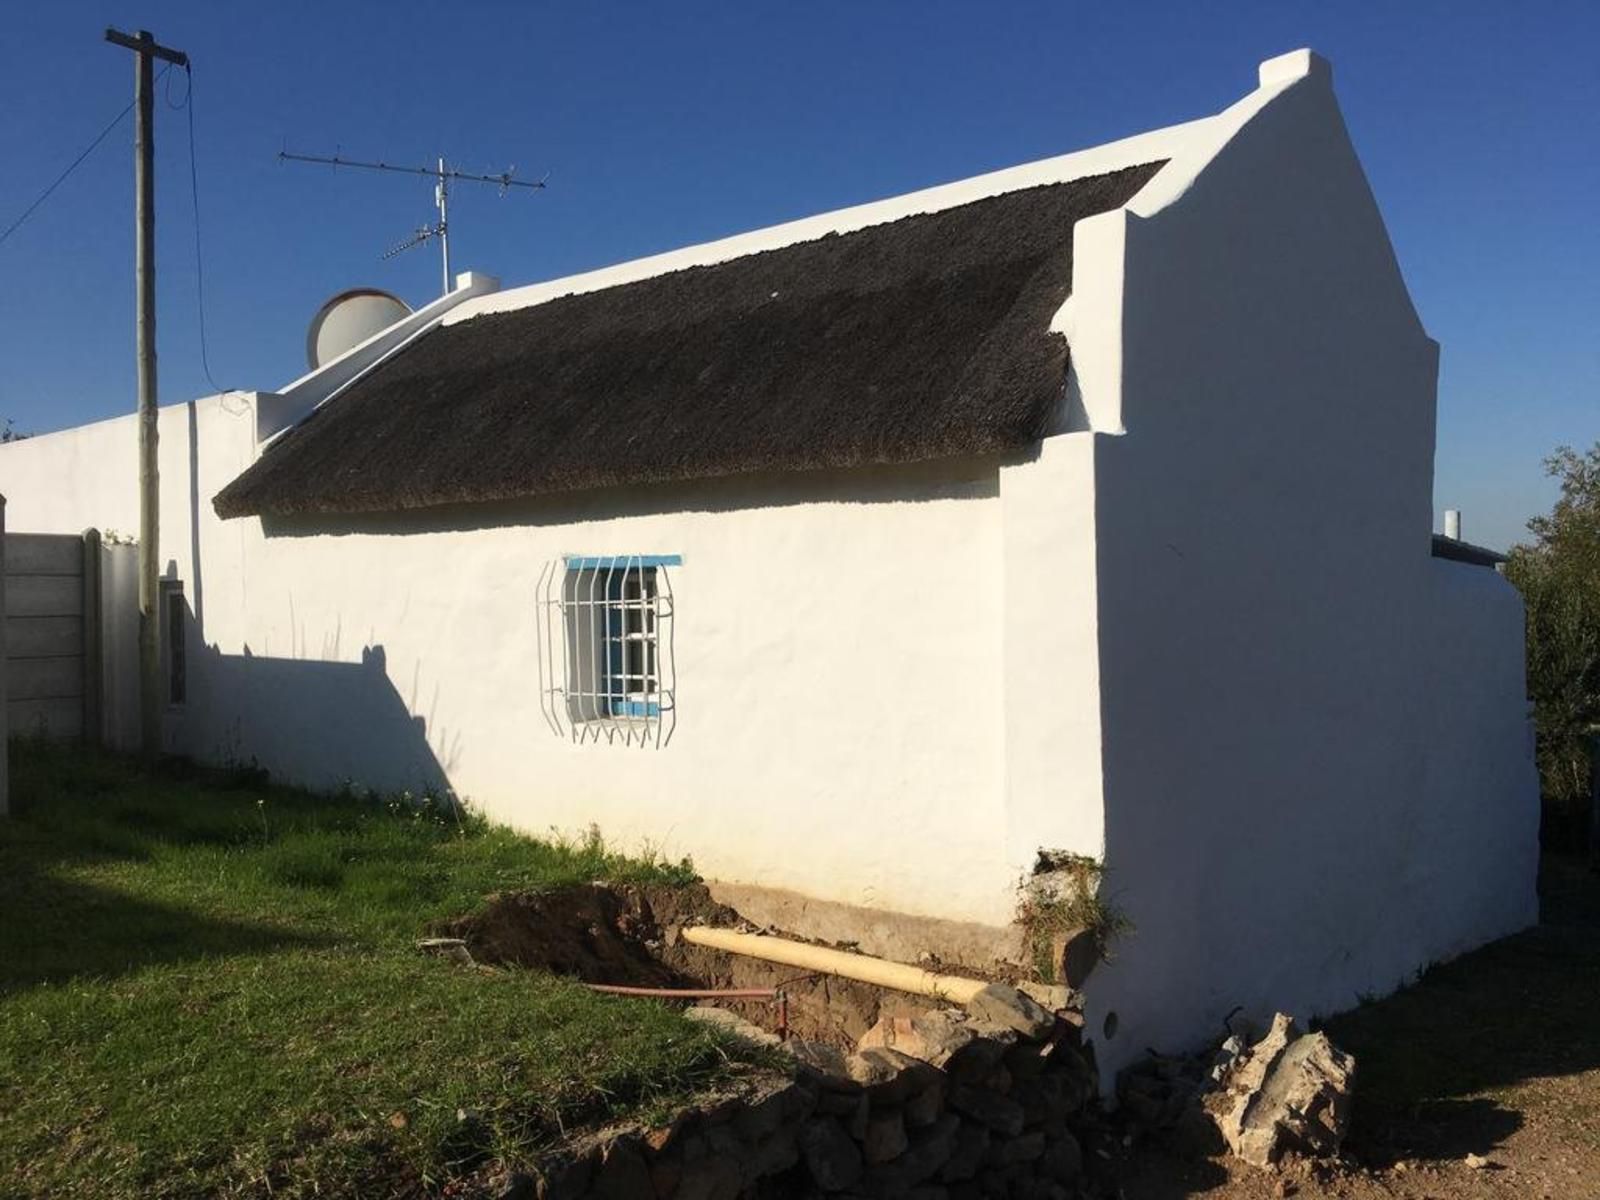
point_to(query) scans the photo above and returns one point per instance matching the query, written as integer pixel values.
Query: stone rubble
(1301, 1104)
(943, 1105)
(1288, 1093)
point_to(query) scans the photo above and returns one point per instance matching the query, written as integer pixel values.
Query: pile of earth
(627, 934)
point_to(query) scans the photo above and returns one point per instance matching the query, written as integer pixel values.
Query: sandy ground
(1495, 1055)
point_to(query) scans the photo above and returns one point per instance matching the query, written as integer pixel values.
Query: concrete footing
(899, 936)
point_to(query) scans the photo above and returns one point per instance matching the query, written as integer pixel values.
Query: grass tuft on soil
(1061, 897)
(208, 986)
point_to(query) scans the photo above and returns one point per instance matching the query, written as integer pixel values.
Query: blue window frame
(614, 607)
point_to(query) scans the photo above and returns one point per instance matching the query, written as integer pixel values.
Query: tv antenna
(442, 174)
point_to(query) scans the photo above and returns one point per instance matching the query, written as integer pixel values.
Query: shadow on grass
(57, 930)
(1438, 1060)
(79, 809)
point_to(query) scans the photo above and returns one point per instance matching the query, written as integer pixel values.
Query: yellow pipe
(902, 977)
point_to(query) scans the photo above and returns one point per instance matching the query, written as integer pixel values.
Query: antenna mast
(442, 174)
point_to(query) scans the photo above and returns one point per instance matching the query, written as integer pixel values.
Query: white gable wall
(1317, 772)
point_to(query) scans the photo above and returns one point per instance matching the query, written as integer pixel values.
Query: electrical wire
(199, 258)
(188, 72)
(73, 166)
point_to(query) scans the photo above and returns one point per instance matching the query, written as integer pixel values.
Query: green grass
(208, 986)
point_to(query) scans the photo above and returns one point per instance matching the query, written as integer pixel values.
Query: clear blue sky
(666, 124)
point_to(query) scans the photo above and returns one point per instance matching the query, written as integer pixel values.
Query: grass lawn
(208, 985)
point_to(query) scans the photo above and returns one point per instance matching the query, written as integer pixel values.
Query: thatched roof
(916, 339)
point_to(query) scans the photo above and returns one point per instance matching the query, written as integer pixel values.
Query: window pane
(177, 673)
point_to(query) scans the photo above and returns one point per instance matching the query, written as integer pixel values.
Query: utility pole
(146, 50)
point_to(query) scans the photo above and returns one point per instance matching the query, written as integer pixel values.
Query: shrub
(1559, 578)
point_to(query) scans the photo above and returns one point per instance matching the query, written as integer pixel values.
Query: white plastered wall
(1199, 634)
(855, 721)
(87, 477)
(1317, 770)
(886, 679)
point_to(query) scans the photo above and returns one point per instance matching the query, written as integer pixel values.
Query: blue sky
(667, 124)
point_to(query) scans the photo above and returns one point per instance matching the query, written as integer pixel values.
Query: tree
(1559, 578)
(8, 433)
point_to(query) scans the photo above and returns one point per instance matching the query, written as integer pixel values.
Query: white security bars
(605, 648)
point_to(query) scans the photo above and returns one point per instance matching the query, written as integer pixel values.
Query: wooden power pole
(146, 50)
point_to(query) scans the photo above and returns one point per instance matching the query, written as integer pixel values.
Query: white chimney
(1452, 524)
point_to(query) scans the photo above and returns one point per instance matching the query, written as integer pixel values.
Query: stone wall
(993, 1102)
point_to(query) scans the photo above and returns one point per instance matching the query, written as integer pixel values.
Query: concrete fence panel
(52, 620)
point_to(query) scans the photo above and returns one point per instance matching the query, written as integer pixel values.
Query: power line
(199, 258)
(61, 178)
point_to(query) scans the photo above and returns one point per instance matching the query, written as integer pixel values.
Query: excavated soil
(592, 932)
(628, 935)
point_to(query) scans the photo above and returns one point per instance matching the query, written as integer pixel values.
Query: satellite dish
(349, 319)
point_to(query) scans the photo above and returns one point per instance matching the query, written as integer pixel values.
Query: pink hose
(686, 993)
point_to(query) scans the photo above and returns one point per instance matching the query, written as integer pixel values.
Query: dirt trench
(628, 935)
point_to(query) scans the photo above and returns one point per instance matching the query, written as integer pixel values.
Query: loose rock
(1063, 1162)
(455, 949)
(831, 1154)
(923, 1108)
(733, 1024)
(967, 1154)
(889, 1076)
(1025, 1148)
(930, 1149)
(1288, 1093)
(1007, 1007)
(622, 1174)
(822, 1061)
(714, 1177)
(885, 1138)
(931, 1036)
(999, 1113)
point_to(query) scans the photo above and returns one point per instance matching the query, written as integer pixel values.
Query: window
(605, 648)
(174, 623)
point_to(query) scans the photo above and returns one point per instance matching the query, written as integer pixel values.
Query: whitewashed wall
(1200, 634)
(1317, 765)
(886, 680)
(846, 726)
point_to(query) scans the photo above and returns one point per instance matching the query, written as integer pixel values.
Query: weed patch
(1061, 898)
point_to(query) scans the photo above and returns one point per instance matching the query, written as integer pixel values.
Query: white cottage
(1080, 507)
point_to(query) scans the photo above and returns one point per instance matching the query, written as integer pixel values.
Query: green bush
(1559, 578)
